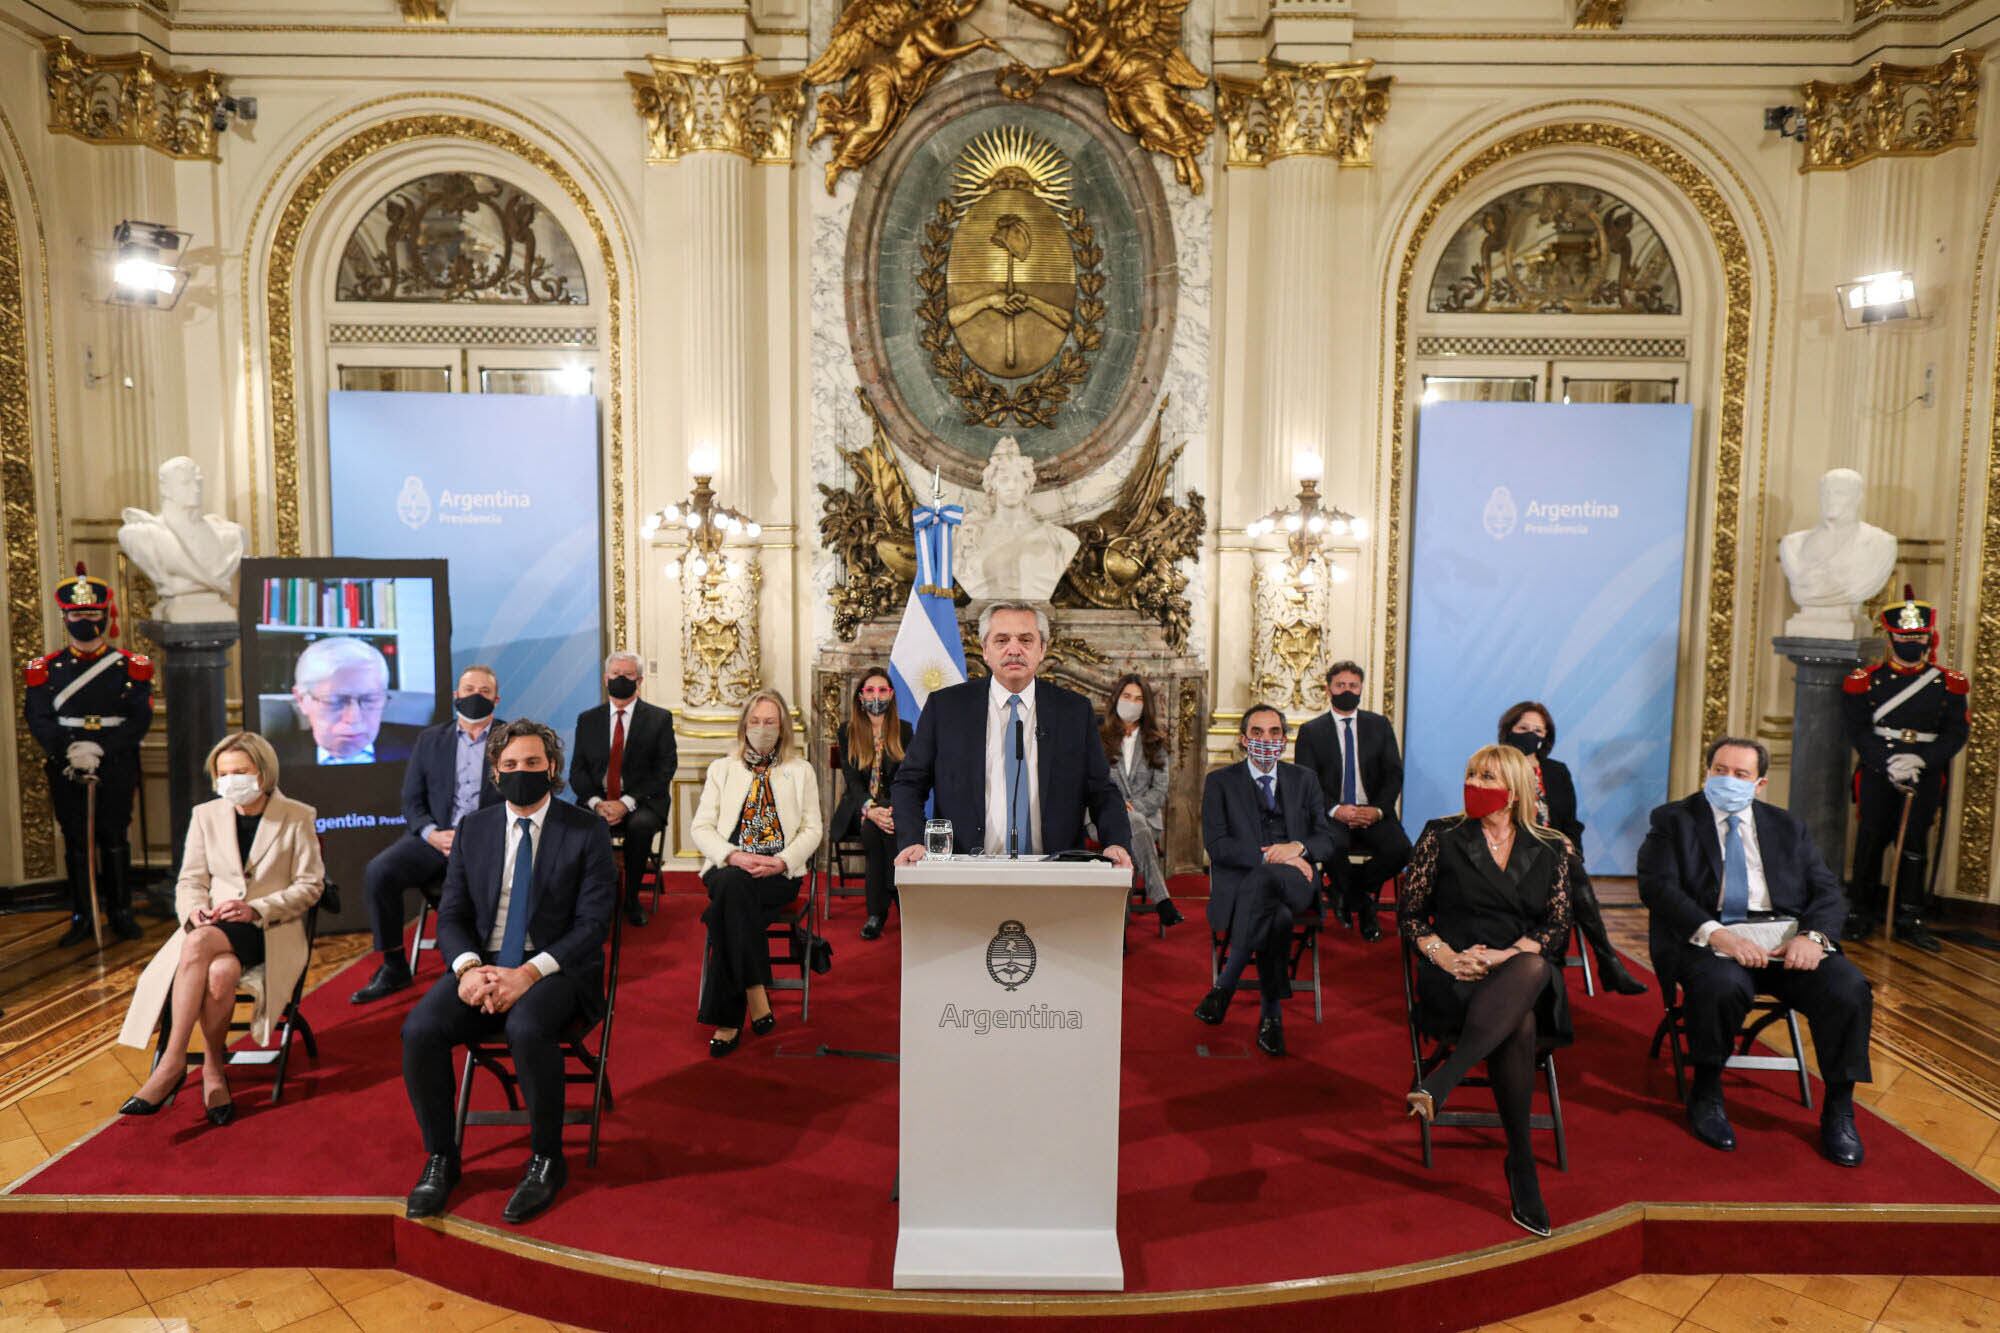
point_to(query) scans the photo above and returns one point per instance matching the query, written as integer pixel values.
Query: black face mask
(1910, 650)
(523, 786)
(876, 707)
(83, 631)
(473, 707)
(1527, 742)
(621, 687)
(1345, 702)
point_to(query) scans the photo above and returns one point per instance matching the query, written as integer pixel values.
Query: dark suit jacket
(1559, 790)
(947, 760)
(647, 775)
(1380, 762)
(431, 780)
(575, 890)
(854, 783)
(1680, 872)
(1232, 831)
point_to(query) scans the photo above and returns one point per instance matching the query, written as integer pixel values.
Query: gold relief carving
(1733, 252)
(893, 51)
(1982, 747)
(1129, 557)
(831, 693)
(1599, 15)
(717, 106)
(1868, 9)
(1131, 50)
(870, 526)
(1309, 110)
(280, 302)
(1188, 719)
(423, 11)
(1892, 111)
(1288, 616)
(132, 99)
(721, 659)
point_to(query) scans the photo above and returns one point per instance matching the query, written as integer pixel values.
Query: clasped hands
(1475, 962)
(494, 990)
(229, 909)
(1357, 816)
(1800, 954)
(881, 816)
(1291, 854)
(614, 811)
(759, 866)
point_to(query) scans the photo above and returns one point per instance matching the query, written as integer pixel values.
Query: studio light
(1879, 298)
(148, 270)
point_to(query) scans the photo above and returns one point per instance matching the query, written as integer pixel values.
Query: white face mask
(238, 788)
(1130, 710)
(761, 739)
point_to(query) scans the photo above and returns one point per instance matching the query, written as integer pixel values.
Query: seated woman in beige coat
(250, 873)
(758, 825)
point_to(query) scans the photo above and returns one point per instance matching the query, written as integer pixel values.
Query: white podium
(1012, 1009)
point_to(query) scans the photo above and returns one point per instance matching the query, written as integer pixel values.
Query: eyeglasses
(340, 703)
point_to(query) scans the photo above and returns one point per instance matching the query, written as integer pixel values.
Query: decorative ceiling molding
(425, 11)
(1892, 111)
(1599, 15)
(132, 99)
(1303, 110)
(1868, 9)
(717, 106)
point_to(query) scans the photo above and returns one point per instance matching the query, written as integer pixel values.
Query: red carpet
(1235, 1169)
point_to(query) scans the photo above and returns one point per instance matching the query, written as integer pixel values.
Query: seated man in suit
(1353, 754)
(1012, 761)
(1721, 858)
(447, 779)
(1264, 825)
(624, 768)
(528, 897)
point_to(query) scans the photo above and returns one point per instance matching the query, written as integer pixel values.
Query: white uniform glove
(1905, 769)
(84, 756)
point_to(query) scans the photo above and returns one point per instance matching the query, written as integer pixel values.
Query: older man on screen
(340, 686)
(1012, 761)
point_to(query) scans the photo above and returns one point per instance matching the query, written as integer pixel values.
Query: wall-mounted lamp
(147, 271)
(1879, 298)
(703, 524)
(1308, 524)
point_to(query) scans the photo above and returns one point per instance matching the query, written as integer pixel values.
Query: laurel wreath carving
(986, 401)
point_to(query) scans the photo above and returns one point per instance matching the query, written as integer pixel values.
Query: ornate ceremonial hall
(1117, 491)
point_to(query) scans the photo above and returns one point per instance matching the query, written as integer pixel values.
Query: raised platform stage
(756, 1189)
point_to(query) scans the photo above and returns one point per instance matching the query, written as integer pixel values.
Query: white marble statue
(1007, 552)
(1836, 566)
(191, 557)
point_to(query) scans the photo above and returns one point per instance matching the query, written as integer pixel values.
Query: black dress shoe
(717, 1047)
(1371, 929)
(1858, 927)
(434, 1186)
(1912, 931)
(1524, 1193)
(1710, 1123)
(1838, 1138)
(1611, 970)
(79, 931)
(537, 1190)
(762, 1026)
(1169, 914)
(124, 927)
(1212, 1007)
(388, 979)
(871, 929)
(1271, 1037)
(634, 915)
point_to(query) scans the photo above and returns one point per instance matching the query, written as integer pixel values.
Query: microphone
(1021, 769)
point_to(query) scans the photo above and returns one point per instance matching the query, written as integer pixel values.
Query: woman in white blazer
(250, 873)
(757, 826)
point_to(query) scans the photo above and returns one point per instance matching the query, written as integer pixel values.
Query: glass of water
(937, 837)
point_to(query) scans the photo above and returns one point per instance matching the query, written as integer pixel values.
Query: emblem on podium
(1010, 958)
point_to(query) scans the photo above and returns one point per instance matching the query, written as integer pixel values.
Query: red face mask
(1483, 801)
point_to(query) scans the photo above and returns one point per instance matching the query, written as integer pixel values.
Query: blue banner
(1546, 564)
(505, 488)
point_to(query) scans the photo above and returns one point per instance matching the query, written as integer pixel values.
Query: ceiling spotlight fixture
(1788, 121)
(1879, 298)
(148, 270)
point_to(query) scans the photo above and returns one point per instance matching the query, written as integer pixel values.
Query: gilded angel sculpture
(1132, 50)
(894, 50)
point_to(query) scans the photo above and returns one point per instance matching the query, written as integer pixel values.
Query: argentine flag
(928, 654)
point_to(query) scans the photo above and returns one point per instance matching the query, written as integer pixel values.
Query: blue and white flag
(929, 654)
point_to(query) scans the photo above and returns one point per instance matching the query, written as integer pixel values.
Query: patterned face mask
(1265, 752)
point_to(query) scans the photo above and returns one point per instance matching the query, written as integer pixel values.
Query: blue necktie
(1017, 780)
(514, 943)
(1349, 778)
(1270, 796)
(1735, 875)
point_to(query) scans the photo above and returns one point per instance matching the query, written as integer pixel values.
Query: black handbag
(819, 953)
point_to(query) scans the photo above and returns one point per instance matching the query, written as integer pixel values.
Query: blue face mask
(1727, 794)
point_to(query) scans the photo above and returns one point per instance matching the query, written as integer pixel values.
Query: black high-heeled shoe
(1524, 1193)
(137, 1105)
(717, 1047)
(220, 1105)
(762, 1026)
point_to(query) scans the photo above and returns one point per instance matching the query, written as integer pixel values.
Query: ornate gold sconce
(1292, 593)
(1309, 522)
(721, 660)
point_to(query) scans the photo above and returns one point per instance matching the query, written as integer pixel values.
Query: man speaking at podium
(1011, 761)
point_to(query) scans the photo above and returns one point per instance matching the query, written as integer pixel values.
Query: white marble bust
(1007, 552)
(1836, 566)
(191, 557)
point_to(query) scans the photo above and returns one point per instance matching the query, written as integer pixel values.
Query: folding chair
(1136, 904)
(433, 893)
(1424, 1060)
(249, 989)
(843, 860)
(789, 939)
(1764, 1011)
(1581, 959)
(1304, 941)
(581, 1064)
(653, 866)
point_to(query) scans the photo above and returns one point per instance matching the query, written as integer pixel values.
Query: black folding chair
(789, 939)
(653, 866)
(1304, 943)
(1581, 958)
(1427, 1052)
(249, 988)
(1136, 904)
(843, 860)
(1764, 1011)
(581, 1064)
(433, 893)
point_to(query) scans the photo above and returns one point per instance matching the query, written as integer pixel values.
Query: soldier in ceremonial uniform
(89, 704)
(1905, 718)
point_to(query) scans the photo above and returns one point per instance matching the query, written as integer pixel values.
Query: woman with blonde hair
(1486, 906)
(757, 826)
(237, 912)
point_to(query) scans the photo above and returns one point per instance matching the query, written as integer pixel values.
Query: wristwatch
(1826, 945)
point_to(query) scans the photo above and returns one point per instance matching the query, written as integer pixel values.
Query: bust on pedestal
(1006, 551)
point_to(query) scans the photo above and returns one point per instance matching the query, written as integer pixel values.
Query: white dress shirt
(1753, 860)
(327, 759)
(1127, 748)
(1342, 724)
(618, 710)
(999, 744)
(545, 963)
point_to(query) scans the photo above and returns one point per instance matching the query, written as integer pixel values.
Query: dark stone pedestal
(196, 671)
(1822, 760)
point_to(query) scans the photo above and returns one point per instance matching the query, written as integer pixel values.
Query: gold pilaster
(1304, 110)
(1892, 111)
(132, 99)
(717, 106)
